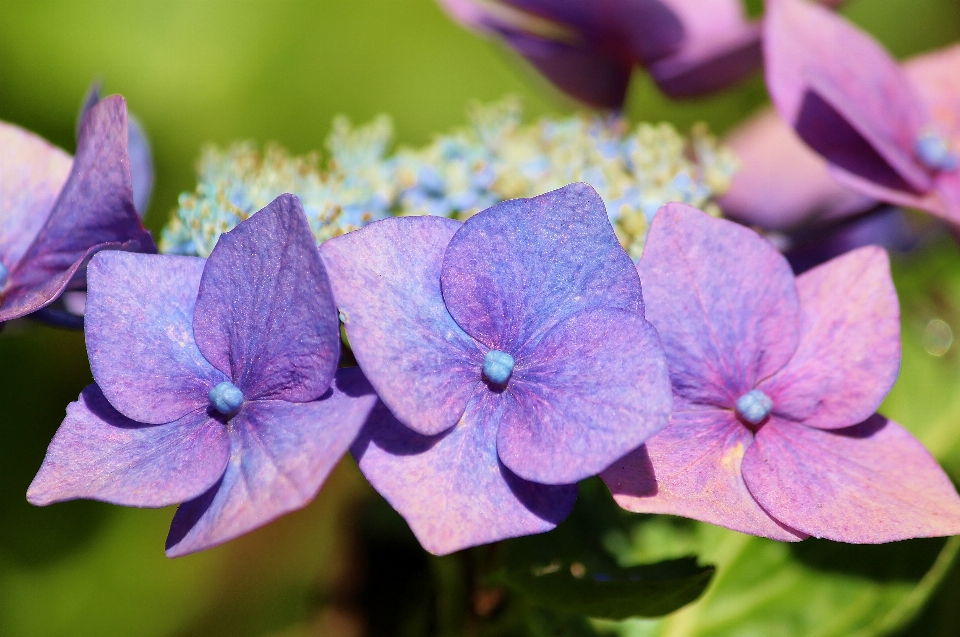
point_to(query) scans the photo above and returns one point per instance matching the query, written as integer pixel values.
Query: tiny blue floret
(754, 406)
(4, 275)
(226, 398)
(497, 366)
(934, 151)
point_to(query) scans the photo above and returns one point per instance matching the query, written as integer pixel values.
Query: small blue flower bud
(497, 366)
(754, 406)
(933, 149)
(226, 398)
(4, 275)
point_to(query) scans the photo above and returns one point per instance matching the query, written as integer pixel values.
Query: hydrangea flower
(232, 406)
(511, 356)
(776, 382)
(886, 135)
(588, 48)
(55, 214)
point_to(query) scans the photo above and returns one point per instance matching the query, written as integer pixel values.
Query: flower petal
(596, 387)
(32, 171)
(93, 211)
(140, 308)
(723, 300)
(451, 488)
(101, 454)
(281, 454)
(935, 79)
(866, 484)
(386, 283)
(514, 271)
(782, 183)
(692, 468)
(844, 94)
(265, 315)
(849, 351)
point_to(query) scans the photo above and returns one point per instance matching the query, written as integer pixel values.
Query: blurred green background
(198, 71)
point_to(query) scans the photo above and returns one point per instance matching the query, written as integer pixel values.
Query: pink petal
(723, 300)
(692, 468)
(782, 183)
(870, 483)
(849, 352)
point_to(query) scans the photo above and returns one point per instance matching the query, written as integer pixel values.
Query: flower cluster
(494, 159)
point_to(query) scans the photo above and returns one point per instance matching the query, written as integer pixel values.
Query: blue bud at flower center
(4, 275)
(226, 398)
(754, 406)
(933, 149)
(497, 366)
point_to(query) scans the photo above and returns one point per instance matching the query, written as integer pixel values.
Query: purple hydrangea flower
(889, 133)
(776, 381)
(55, 215)
(215, 384)
(514, 351)
(588, 48)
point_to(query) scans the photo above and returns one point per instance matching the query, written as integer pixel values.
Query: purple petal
(720, 47)
(935, 79)
(781, 183)
(281, 453)
(32, 171)
(451, 488)
(596, 387)
(723, 300)
(93, 211)
(386, 283)
(514, 271)
(692, 468)
(140, 309)
(844, 94)
(849, 351)
(866, 484)
(265, 315)
(99, 453)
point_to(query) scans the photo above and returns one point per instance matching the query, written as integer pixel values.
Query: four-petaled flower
(215, 384)
(54, 216)
(776, 381)
(891, 133)
(514, 351)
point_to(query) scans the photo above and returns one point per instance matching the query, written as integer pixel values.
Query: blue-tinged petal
(139, 331)
(94, 211)
(596, 387)
(723, 300)
(866, 484)
(99, 453)
(32, 171)
(514, 271)
(386, 283)
(281, 454)
(451, 488)
(265, 316)
(848, 356)
(692, 469)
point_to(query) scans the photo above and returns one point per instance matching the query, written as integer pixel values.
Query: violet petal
(692, 468)
(386, 284)
(281, 454)
(99, 453)
(596, 387)
(451, 488)
(140, 308)
(265, 315)
(723, 300)
(514, 271)
(849, 351)
(866, 484)
(93, 211)
(32, 172)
